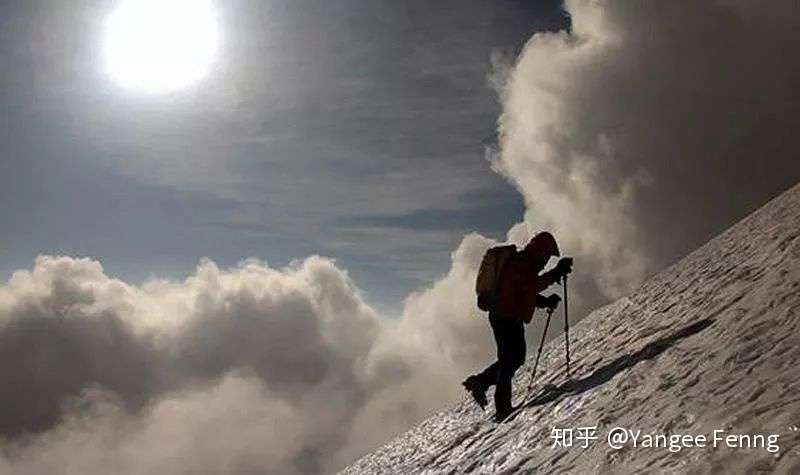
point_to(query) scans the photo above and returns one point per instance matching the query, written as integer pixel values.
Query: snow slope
(711, 343)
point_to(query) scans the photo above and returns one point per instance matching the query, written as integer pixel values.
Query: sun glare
(160, 45)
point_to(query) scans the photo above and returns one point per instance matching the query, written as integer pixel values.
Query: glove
(550, 302)
(564, 266)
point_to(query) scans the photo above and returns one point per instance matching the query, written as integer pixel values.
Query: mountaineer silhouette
(509, 287)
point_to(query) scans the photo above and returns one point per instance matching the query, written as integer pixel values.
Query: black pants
(509, 335)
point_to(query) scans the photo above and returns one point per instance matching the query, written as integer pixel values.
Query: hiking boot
(501, 415)
(476, 390)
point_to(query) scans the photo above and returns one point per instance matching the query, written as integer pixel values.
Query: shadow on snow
(606, 373)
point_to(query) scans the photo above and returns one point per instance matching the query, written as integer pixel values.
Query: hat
(543, 244)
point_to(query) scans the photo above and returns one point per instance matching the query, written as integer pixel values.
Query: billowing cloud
(85, 355)
(650, 127)
(286, 370)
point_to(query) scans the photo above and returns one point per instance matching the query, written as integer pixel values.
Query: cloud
(250, 340)
(286, 370)
(650, 127)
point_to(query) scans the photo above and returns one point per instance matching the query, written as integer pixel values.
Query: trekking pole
(566, 321)
(539, 353)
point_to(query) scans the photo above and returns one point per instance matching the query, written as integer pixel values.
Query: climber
(509, 285)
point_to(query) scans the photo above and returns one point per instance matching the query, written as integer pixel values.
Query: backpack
(487, 285)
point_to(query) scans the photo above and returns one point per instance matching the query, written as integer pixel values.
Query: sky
(351, 129)
(272, 270)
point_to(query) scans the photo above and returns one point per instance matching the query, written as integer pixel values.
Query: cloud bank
(634, 137)
(251, 368)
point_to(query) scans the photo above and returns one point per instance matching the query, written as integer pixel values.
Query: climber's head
(541, 248)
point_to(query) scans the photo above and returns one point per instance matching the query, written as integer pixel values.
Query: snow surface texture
(711, 343)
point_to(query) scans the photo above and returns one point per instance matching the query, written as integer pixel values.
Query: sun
(160, 45)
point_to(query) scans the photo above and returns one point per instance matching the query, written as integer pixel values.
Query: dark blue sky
(353, 129)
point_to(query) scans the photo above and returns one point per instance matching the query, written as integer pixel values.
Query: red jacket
(520, 283)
